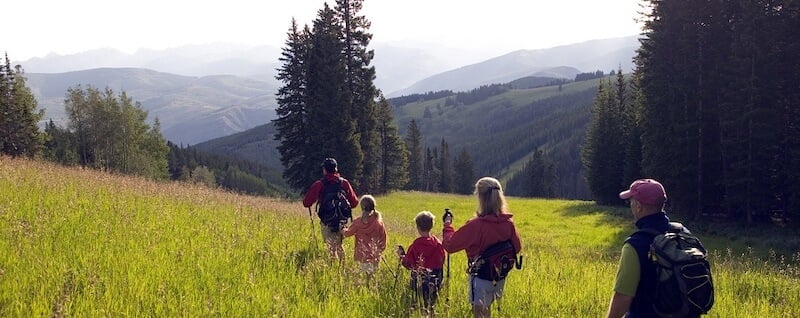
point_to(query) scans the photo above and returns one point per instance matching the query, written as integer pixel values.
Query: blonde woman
(491, 224)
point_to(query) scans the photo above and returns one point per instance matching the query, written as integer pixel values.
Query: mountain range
(200, 93)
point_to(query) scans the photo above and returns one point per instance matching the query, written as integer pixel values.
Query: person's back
(492, 224)
(329, 228)
(425, 258)
(637, 276)
(370, 234)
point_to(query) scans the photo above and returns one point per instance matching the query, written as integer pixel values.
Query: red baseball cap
(647, 191)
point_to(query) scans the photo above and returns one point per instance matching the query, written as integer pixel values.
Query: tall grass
(84, 244)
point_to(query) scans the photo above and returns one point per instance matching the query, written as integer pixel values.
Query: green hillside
(500, 133)
(82, 243)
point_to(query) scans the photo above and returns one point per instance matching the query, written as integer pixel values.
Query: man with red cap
(636, 274)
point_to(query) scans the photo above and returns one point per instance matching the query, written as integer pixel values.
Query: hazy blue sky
(34, 28)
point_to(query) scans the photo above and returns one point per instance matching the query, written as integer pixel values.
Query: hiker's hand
(400, 251)
(448, 218)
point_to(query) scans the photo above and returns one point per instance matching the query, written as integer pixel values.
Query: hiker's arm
(454, 241)
(349, 231)
(312, 194)
(626, 283)
(410, 257)
(619, 305)
(352, 198)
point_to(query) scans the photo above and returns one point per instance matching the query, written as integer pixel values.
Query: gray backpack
(684, 287)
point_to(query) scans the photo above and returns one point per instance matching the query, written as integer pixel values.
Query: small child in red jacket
(425, 258)
(370, 236)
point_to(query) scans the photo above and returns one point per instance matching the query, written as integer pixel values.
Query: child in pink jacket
(370, 236)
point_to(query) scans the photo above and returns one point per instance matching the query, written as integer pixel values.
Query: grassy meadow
(81, 243)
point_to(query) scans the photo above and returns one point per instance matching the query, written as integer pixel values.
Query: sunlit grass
(82, 243)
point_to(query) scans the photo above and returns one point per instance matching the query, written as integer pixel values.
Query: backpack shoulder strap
(649, 233)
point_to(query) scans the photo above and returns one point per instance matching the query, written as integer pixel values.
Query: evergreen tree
(632, 169)
(59, 146)
(536, 179)
(603, 151)
(431, 172)
(360, 91)
(463, 173)
(393, 160)
(717, 105)
(19, 133)
(329, 93)
(416, 159)
(445, 171)
(294, 131)
(329, 109)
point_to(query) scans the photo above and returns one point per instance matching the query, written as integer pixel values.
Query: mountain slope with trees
(191, 109)
(493, 135)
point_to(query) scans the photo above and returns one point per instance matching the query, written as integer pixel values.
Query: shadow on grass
(614, 217)
(759, 240)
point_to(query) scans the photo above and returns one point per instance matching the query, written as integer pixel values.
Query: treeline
(537, 178)
(477, 94)
(214, 170)
(435, 169)
(108, 131)
(589, 76)
(414, 98)
(535, 81)
(714, 113)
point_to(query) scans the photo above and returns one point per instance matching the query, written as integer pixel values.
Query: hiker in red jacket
(370, 236)
(425, 259)
(492, 224)
(331, 233)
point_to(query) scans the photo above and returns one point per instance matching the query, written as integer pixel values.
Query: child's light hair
(367, 204)
(424, 220)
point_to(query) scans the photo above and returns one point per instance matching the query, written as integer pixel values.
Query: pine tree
(360, 91)
(59, 146)
(329, 111)
(603, 151)
(632, 169)
(416, 159)
(19, 133)
(463, 173)
(294, 132)
(445, 171)
(716, 90)
(393, 160)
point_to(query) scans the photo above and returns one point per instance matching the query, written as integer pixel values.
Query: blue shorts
(483, 292)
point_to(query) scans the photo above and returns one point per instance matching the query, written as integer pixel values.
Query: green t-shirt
(628, 272)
